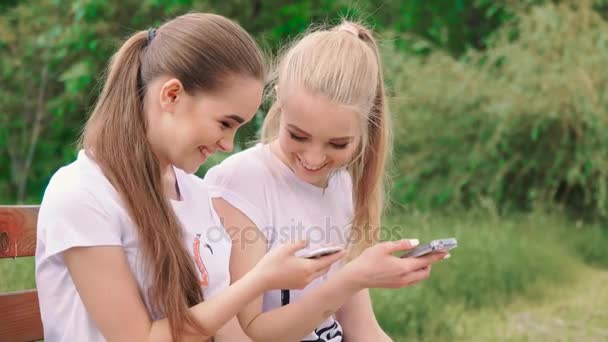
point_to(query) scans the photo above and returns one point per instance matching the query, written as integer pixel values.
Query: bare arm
(378, 268)
(232, 332)
(111, 296)
(296, 320)
(288, 323)
(358, 320)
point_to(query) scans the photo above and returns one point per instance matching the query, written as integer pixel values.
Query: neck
(169, 183)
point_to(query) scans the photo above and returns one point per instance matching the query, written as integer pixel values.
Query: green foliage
(53, 54)
(520, 124)
(450, 25)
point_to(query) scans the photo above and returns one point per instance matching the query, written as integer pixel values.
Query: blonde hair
(343, 64)
(201, 50)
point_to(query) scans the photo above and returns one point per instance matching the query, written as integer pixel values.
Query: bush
(520, 124)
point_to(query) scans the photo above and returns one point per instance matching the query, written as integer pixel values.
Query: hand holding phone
(432, 246)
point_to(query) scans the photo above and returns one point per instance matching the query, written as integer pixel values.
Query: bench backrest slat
(19, 311)
(20, 316)
(18, 231)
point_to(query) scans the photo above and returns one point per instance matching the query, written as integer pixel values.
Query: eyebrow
(298, 129)
(236, 118)
(294, 127)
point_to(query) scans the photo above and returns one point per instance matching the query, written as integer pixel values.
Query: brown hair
(201, 50)
(343, 64)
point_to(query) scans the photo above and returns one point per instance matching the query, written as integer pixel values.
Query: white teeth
(308, 167)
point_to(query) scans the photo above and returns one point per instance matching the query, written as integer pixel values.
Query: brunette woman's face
(185, 129)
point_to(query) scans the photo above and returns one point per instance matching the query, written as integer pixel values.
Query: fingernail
(414, 242)
(447, 256)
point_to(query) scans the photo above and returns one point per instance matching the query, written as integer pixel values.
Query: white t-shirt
(81, 208)
(285, 208)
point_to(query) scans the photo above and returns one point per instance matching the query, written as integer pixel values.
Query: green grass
(497, 262)
(16, 274)
(574, 311)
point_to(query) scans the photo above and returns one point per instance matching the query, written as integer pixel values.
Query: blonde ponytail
(343, 64)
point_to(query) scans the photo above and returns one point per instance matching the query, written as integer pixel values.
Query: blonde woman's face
(316, 136)
(197, 125)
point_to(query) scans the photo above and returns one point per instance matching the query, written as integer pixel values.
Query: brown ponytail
(200, 50)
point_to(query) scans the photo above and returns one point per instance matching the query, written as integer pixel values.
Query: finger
(323, 262)
(426, 268)
(415, 277)
(399, 245)
(425, 260)
(321, 272)
(422, 269)
(326, 262)
(330, 259)
(292, 247)
(437, 256)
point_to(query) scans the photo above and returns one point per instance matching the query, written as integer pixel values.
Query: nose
(226, 144)
(314, 157)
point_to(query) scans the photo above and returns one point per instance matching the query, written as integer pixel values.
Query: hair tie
(151, 34)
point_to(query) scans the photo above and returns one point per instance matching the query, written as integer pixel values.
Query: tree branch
(36, 129)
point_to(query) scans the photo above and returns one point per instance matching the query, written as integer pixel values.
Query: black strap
(285, 297)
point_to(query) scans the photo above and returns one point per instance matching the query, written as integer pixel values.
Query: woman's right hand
(377, 267)
(281, 269)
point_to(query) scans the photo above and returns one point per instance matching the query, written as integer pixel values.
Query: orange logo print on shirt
(199, 261)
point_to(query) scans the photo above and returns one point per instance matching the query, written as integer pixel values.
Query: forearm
(359, 321)
(215, 312)
(294, 321)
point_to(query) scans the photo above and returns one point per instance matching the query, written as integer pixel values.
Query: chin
(313, 179)
(189, 168)
(192, 169)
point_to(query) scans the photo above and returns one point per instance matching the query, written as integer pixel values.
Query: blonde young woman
(318, 174)
(129, 248)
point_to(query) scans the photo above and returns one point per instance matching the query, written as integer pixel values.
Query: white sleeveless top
(285, 208)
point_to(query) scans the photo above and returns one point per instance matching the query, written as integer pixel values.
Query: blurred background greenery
(500, 113)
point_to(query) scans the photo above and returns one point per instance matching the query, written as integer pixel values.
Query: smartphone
(321, 252)
(429, 247)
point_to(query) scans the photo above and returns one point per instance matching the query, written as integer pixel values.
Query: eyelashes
(298, 138)
(339, 146)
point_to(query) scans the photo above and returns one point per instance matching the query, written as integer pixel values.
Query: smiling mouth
(204, 152)
(309, 167)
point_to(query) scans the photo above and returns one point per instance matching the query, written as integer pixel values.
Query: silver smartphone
(321, 252)
(429, 247)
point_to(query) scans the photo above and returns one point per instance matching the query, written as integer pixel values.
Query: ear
(171, 93)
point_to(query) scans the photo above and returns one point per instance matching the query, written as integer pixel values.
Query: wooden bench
(19, 311)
